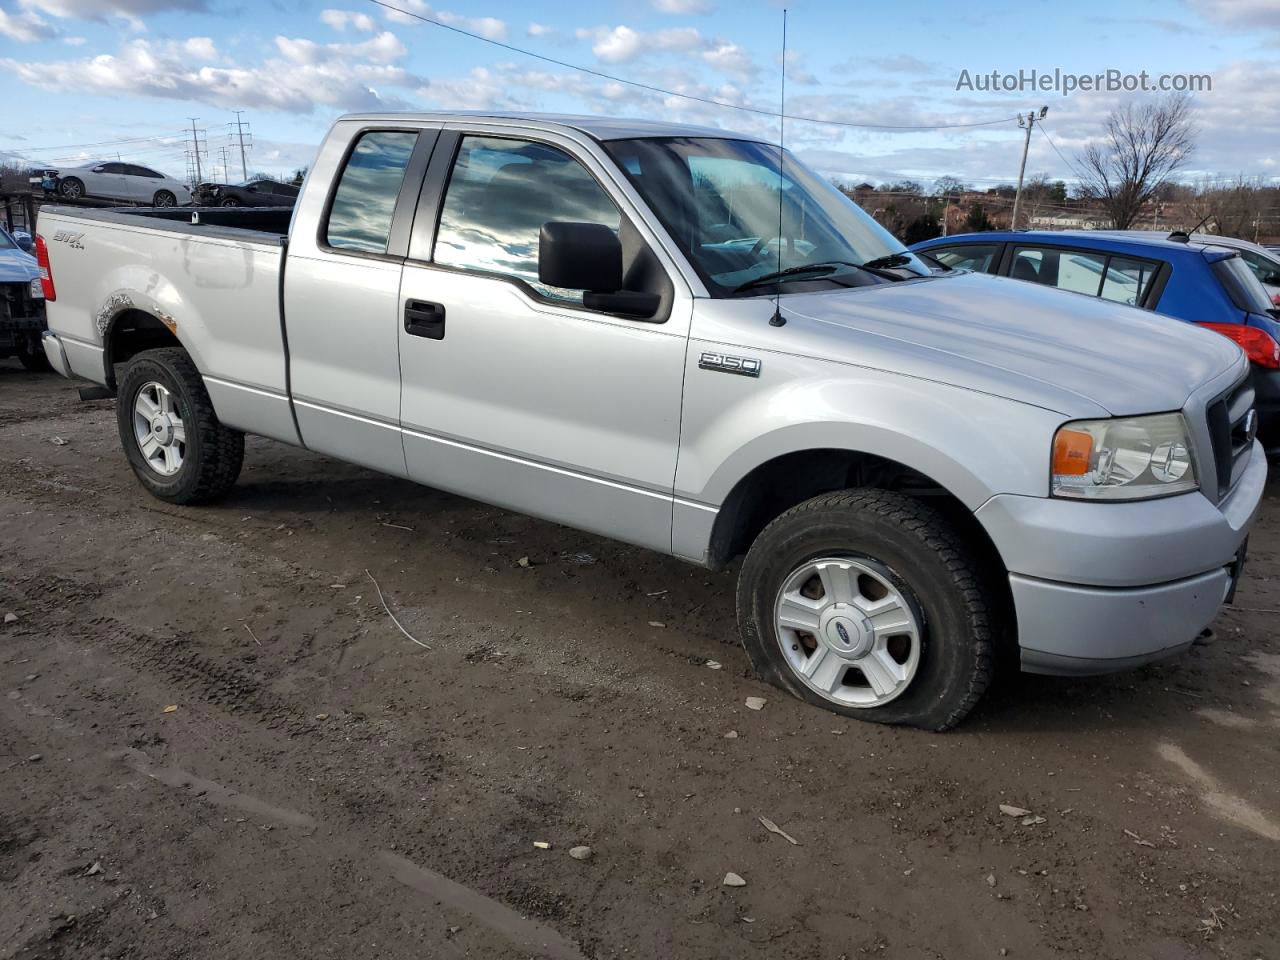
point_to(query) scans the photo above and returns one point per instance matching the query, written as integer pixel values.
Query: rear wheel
(164, 198)
(868, 603)
(71, 188)
(177, 447)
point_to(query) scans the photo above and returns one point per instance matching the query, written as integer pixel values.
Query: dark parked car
(1190, 278)
(259, 192)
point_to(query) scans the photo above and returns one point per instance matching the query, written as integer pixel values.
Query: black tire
(229, 202)
(212, 454)
(72, 188)
(32, 358)
(926, 560)
(164, 198)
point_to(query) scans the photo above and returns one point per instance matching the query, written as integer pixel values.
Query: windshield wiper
(886, 262)
(824, 268)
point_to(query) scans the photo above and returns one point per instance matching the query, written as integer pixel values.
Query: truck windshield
(719, 199)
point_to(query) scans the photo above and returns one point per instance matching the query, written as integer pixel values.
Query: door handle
(424, 319)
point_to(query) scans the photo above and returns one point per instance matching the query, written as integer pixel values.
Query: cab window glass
(500, 194)
(363, 204)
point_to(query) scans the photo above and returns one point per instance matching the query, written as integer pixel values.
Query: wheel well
(784, 482)
(130, 333)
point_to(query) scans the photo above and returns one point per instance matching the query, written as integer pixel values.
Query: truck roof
(597, 127)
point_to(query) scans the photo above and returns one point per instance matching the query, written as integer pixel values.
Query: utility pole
(240, 125)
(1027, 123)
(195, 148)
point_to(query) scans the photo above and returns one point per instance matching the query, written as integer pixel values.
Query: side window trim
(401, 217)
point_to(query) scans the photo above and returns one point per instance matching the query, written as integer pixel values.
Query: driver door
(511, 391)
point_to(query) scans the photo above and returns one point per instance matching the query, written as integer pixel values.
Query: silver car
(115, 180)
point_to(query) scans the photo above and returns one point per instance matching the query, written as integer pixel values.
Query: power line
(674, 93)
(1070, 165)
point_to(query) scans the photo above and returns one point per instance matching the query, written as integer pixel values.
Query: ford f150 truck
(685, 339)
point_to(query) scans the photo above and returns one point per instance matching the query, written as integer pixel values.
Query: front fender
(972, 444)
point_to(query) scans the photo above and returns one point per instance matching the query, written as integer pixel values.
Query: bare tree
(1143, 146)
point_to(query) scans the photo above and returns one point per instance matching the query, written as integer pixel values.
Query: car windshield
(719, 199)
(251, 183)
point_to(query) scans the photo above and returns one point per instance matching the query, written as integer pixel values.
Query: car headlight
(1128, 458)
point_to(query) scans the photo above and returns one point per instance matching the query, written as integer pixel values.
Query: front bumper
(1106, 586)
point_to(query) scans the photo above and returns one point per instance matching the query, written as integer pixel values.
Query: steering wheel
(765, 241)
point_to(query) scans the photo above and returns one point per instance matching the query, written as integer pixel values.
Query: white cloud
(1245, 14)
(303, 76)
(341, 19)
(25, 27)
(623, 44)
(132, 10)
(682, 6)
(539, 30)
(201, 48)
(490, 27)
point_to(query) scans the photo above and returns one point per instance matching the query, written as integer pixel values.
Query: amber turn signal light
(1072, 451)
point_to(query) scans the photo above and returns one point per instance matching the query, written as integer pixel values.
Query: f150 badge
(742, 366)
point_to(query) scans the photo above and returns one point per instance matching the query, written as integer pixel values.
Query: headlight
(1131, 458)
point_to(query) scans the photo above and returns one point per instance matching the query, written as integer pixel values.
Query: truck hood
(17, 267)
(1020, 340)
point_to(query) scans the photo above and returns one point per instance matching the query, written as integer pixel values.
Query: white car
(115, 180)
(1263, 262)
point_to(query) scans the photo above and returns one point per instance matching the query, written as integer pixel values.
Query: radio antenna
(778, 320)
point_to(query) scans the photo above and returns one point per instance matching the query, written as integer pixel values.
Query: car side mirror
(580, 256)
(99, 168)
(1272, 279)
(25, 245)
(588, 257)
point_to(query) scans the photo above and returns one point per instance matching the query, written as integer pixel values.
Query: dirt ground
(214, 742)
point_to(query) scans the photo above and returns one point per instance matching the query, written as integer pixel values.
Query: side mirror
(99, 168)
(1272, 279)
(25, 244)
(588, 257)
(580, 256)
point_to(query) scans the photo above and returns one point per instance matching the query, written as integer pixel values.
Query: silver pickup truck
(652, 332)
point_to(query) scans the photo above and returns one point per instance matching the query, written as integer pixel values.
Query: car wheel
(71, 188)
(868, 603)
(175, 443)
(230, 202)
(164, 198)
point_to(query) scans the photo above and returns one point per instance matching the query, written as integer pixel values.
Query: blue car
(1191, 279)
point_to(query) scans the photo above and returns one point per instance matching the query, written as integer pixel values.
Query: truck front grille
(1230, 434)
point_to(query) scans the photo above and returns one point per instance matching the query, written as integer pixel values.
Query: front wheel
(230, 202)
(71, 188)
(164, 198)
(868, 603)
(175, 443)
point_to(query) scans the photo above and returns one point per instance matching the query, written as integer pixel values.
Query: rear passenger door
(341, 293)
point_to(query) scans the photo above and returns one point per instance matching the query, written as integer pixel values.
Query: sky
(95, 79)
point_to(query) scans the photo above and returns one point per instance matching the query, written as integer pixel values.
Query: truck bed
(215, 282)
